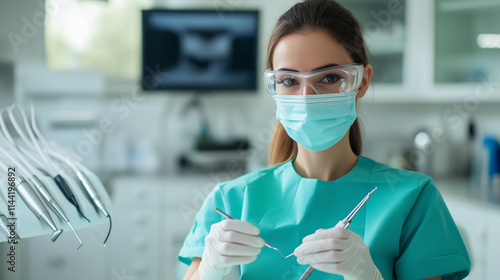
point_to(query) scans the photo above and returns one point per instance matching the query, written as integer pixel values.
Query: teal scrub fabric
(405, 223)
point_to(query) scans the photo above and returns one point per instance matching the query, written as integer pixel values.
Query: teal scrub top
(405, 223)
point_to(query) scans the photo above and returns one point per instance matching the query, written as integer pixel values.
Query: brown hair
(331, 17)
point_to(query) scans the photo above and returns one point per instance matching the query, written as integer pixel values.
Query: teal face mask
(317, 121)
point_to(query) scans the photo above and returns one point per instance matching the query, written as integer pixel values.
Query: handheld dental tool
(36, 206)
(32, 200)
(88, 187)
(42, 190)
(347, 222)
(53, 171)
(265, 242)
(5, 227)
(78, 169)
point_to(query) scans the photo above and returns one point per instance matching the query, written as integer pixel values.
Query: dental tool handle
(63, 186)
(53, 204)
(306, 274)
(5, 226)
(310, 269)
(65, 190)
(36, 206)
(95, 198)
(48, 197)
(91, 192)
(231, 218)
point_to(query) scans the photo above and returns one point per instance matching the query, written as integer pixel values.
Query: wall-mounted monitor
(200, 50)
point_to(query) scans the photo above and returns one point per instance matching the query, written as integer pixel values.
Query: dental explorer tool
(42, 190)
(54, 172)
(36, 206)
(265, 242)
(347, 222)
(84, 180)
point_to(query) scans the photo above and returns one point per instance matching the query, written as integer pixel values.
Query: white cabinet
(431, 50)
(479, 224)
(152, 218)
(493, 243)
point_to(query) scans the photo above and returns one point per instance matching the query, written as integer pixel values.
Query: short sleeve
(430, 243)
(194, 243)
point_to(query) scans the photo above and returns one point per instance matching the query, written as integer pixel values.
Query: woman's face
(312, 50)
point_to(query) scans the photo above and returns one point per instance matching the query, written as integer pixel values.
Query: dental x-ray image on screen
(199, 50)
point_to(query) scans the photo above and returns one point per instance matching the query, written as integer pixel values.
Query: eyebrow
(319, 68)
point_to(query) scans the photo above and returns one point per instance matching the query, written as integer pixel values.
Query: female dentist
(318, 68)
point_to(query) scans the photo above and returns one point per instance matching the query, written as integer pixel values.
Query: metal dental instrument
(7, 227)
(36, 206)
(88, 187)
(265, 243)
(4, 226)
(51, 202)
(53, 170)
(42, 190)
(78, 169)
(347, 222)
(45, 194)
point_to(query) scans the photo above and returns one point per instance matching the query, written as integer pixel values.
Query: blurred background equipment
(199, 50)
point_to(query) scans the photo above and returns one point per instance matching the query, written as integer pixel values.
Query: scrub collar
(353, 173)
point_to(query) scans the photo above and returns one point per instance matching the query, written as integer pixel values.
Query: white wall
(21, 30)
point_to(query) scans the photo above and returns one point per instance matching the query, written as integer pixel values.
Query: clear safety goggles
(336, 79)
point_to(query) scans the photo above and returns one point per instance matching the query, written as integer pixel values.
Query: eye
(287, 81)
(332, 78)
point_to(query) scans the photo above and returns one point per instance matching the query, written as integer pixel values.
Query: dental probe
(46, 195)
(36, 206)
(55, 174)
(265, 242)
(347, 222)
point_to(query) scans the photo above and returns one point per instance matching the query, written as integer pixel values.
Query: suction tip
(56, 234)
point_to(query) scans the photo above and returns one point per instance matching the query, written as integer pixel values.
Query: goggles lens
(337, 79)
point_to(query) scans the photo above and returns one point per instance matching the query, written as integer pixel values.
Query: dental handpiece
(63, 186)
(43, 155)
(36, 206)
(95, 198)
(52, 203)
(5, 227)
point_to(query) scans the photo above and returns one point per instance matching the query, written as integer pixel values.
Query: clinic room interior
(124, 123)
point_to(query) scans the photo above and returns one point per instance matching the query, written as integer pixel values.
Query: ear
(363, 87)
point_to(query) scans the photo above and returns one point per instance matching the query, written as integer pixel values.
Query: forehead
(306, 51)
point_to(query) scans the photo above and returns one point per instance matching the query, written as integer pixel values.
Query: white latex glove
(338, 251)
(229, 243)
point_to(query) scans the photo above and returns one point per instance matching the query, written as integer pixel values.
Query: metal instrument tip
(109, 231)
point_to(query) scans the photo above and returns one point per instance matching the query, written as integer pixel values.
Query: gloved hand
(338, 251)
(229, 243)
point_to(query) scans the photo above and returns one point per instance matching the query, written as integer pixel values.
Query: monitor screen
(199, 50)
